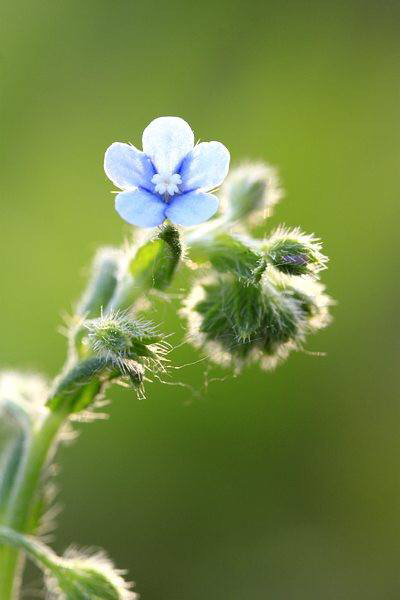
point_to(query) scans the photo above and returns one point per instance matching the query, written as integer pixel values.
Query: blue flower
(170, 179)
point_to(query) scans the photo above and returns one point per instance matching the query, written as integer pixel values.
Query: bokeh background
(284, 485)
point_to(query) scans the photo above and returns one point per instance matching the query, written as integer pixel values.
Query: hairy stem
(24, 489)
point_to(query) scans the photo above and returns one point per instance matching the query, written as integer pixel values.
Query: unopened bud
(117, 336)
(102, 283)
(130, 346)
(76, 575)
(238, 323)
(295, 253)
(250, 192)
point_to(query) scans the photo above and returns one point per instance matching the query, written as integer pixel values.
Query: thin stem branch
(20, 502)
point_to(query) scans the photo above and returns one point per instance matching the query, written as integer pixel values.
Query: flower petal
(141, 208)
(128, 167)
(205, 167)
(166, 141)
(191, 208)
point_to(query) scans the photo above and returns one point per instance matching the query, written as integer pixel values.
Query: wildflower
(171, 178)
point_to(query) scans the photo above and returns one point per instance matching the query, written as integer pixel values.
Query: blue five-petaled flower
(170, 179)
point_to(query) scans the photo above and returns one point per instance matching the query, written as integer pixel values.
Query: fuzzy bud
(102, 283)
(116, 336)
(250, 192)
(294, 253)
(76, 575)
(238, 323)
(131, 346)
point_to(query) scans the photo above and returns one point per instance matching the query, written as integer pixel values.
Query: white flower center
(165, 183)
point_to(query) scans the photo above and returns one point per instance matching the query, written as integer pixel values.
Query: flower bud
(294, 253)
(84, 577)
(76, 575)
(250, 192)
(116, 336)
(238, 323)
(130, 346)
(102, 283)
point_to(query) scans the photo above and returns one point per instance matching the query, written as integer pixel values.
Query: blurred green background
(283, 485)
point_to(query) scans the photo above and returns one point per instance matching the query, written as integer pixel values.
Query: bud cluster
(250, 193)
(261, 297)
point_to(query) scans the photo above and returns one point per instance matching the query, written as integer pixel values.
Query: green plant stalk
(20, 502)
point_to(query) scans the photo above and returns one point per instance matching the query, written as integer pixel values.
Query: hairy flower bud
(76, 575)
(82, 576)
(237, 323)
(116, 336)
(250, 192)
(102, 283)
(294, 253)
(131, 346)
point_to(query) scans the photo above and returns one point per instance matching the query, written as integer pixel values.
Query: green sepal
(230, 254)
(154, 263)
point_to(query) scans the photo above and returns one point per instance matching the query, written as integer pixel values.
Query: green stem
(23, 493)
